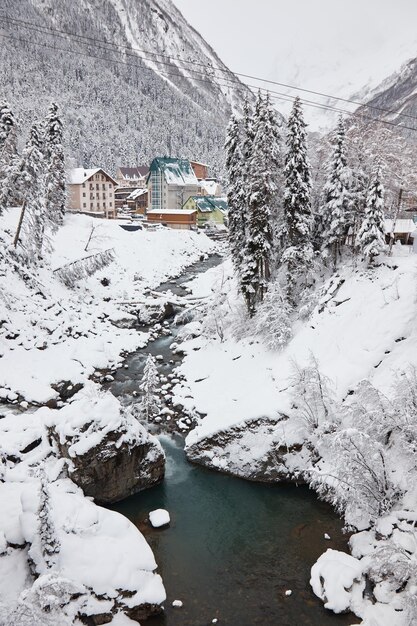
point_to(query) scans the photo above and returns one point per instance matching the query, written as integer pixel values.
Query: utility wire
(230, 84)
(117, 47)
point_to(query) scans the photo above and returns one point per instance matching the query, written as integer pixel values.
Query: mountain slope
(123, 101)
(397, 95)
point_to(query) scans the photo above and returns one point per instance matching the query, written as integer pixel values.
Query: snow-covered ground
(52, 339)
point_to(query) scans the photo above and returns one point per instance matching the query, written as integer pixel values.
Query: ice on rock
(159, 518)
(177, 604)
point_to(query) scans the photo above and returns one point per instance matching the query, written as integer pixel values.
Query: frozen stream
(233, 547)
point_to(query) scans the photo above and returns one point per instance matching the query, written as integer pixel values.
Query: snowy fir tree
(49, 541)
(336, 210)
(237, 208)
(8, 140)
(28, 177)
(298, 251)
(55, 199)
(371, 237)
(149, 386)
(262, 203)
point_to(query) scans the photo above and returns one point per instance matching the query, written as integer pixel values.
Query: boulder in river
(111, 455)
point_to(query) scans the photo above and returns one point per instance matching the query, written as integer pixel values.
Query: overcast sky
(325, 45)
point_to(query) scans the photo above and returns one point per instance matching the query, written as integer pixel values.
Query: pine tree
(336, 211)
(149, 385)
(371, 236)
(55, 200)
(234, 166)
(262, 186)
(297, 206)
(50, 545)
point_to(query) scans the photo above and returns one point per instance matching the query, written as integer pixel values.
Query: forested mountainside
(395, 99)
(123, 101)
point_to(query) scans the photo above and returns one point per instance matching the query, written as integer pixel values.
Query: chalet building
(210, 209)
(132, 176)
(200, 170)
(91, 191)
(174, 218)
(132, 200)
(170, 183)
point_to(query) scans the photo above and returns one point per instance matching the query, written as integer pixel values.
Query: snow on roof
(176, 171)
(79, 175)
(399, 226)
(136, 193)
(209, 185)
(171, 212)
(134, 172)
(207, 204)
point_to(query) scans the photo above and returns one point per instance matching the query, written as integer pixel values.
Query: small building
(132, 176)
(170, 183)
(91, 191)
(400, 230)
(210, 187)
(132, 199)
(200, 169)
(182, 219)
(210, 209)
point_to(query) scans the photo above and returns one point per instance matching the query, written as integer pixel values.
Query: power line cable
(230, 84)
(117, 47)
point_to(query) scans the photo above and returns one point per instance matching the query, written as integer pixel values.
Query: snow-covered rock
(335, 578)
(111, 455)
(159, 518)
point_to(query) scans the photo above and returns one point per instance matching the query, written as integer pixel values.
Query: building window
(111, 203)
(84, 194)
(83, 184)
(104, 185)
(84, 205)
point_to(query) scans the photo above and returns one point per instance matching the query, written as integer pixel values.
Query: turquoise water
(235, 547)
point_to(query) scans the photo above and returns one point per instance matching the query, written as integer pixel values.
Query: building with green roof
(209, 209)
(171, 182)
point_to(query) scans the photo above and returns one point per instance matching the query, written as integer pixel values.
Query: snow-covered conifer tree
(237, 208)
(272, 320)
(8, 142)
(49, 541)
(28, 181)
(149, 386)
(54, 168)
(298, 252)
(336, 210)
(371, 236)
(262, 186)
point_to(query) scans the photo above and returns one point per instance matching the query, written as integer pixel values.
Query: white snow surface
(366, 329)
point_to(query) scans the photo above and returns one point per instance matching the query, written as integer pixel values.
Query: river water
(233, 547)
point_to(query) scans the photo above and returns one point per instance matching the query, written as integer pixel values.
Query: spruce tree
(371, 236)
(337, 209)
(297, 205)
(149, 386)
(8, 143)
(27, 182)
(49, 541)
(234, 166)
(55, 199)
(262, 186)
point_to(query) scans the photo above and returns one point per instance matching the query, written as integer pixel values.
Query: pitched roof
(399, 226)
(136, 193)
(208, 204)
(134, 172)
(176, 171)
(79, 175)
